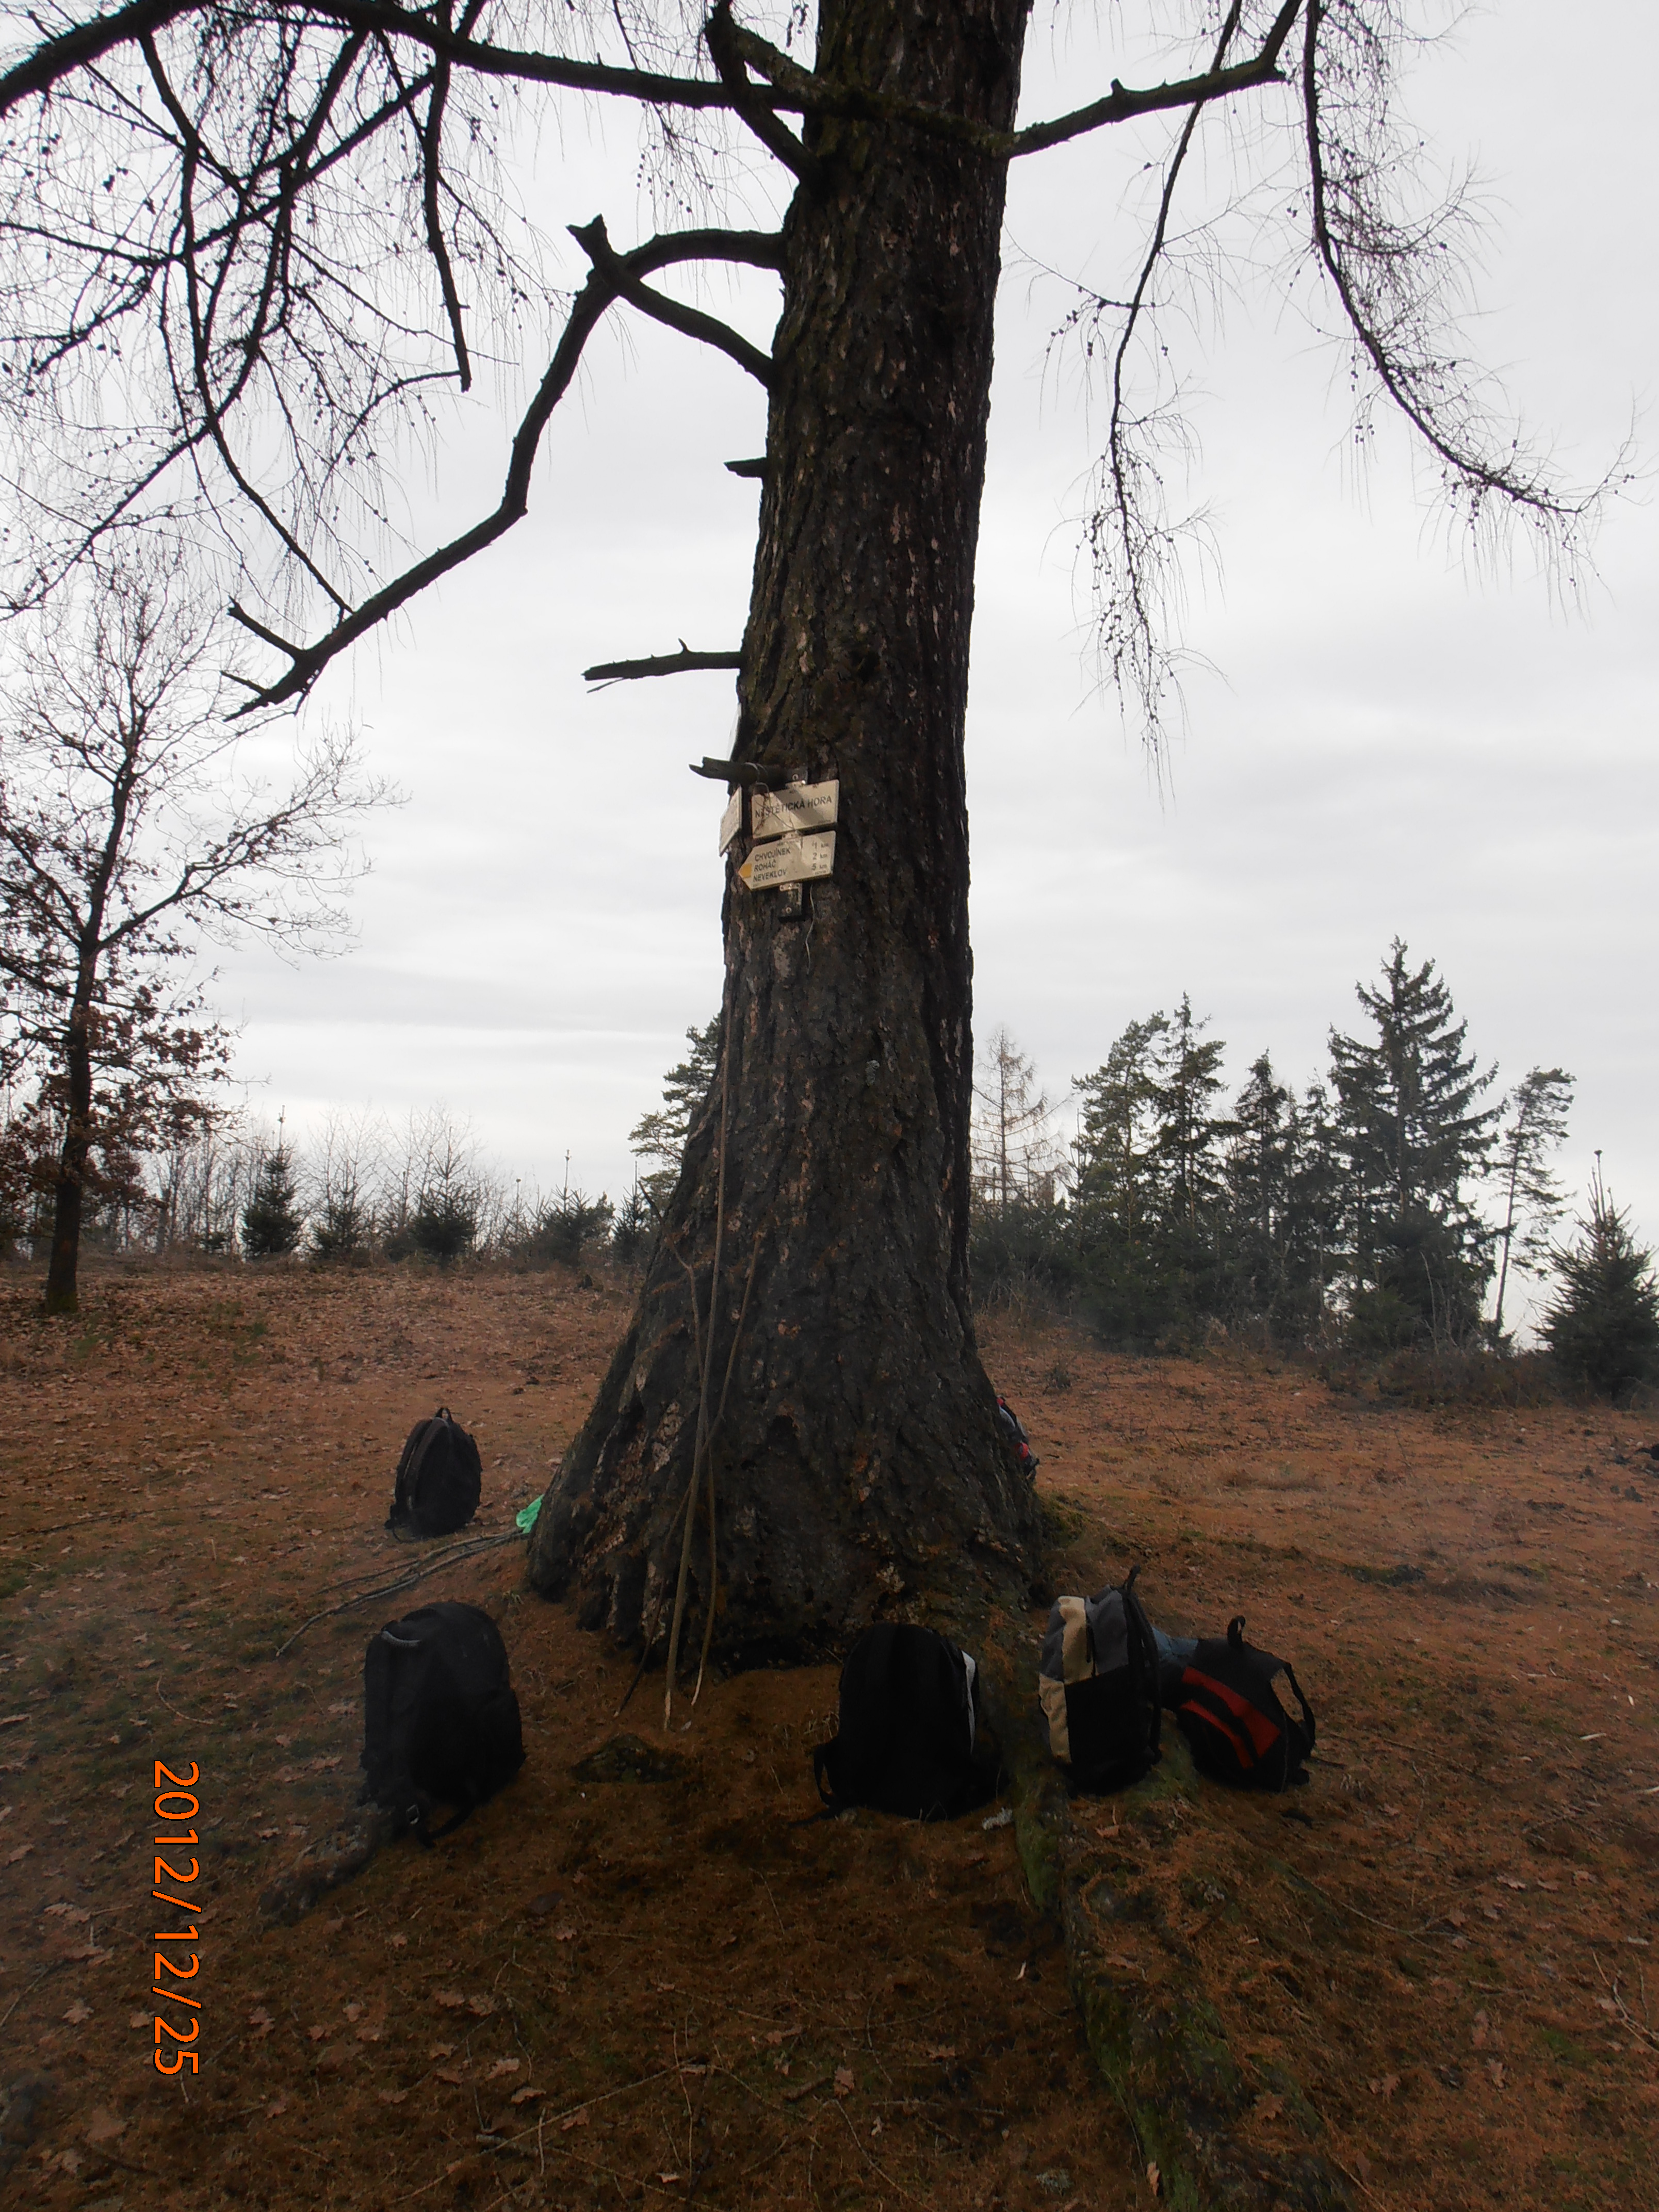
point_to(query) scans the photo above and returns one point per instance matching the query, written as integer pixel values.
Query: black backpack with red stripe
(1227, 1709)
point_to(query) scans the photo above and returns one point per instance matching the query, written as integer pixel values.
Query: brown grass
(701, 1987)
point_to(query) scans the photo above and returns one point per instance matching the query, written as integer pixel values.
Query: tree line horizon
(1396, 1203)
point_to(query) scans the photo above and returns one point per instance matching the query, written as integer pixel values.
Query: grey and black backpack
(439, 1479)
(1098, 1687)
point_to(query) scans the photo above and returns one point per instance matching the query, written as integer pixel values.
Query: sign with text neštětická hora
(797, 806)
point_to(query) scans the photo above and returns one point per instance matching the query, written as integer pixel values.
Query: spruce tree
(1149, 1191)
(1118, 1165)
(1261, 1160)
(272, 1223)
(1603, 1326)
(1313, 1214)
(1189, 1133)
(1412, 1134)
(659, 1138)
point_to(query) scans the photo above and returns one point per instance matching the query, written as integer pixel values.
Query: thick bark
(860, 1462)
(62, 1295)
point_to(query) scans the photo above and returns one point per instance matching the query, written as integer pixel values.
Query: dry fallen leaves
(525, 2095)
(843, 2081)
(78, 2012)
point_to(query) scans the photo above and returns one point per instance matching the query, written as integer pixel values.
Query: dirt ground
(642, 1974)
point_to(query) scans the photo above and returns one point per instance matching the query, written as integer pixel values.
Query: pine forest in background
(1403, 1202)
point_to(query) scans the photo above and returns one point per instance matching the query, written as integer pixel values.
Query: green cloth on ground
(526, 1520)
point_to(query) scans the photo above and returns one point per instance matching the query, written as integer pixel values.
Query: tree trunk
(860, 1462)
(63, 1267)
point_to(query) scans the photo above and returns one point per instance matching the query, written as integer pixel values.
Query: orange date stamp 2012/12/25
(176, 1809)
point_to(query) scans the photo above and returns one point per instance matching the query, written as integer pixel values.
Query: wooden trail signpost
(791, 859)
(794, 839)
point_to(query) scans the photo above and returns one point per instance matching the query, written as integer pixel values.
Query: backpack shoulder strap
(1143, 1658)
(1307, 1709)
(820, 1763)
(429, 1836)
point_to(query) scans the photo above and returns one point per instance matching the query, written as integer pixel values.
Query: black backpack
(1230, 1714)
(1098, 1687)
(440, 1720)
(439, 1477)
(909, 1739)
(1014, 1429)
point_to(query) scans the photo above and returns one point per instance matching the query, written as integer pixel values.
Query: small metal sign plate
(791, 859)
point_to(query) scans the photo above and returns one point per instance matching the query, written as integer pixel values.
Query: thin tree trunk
(1508, 1231)
(861, 1461)
(62, 1295)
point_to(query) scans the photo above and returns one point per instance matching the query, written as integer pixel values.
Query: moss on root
(1157, 2039)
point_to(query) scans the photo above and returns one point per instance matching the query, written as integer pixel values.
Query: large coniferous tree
(282, 223)
(1414, 1135)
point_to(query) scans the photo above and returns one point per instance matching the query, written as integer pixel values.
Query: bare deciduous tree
(126, 836)
(1017, 1160)
(1537, 1110)
(243, 244)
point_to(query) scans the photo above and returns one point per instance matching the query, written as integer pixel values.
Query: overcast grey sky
(1384, 741)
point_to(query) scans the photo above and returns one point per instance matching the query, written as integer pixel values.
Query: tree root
(1159, 2042)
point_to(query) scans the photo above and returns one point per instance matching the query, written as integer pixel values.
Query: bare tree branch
(786, 86)
(691, 321)
(798, 87)
(1133, 546)
(54, 60)
(608, 282)
(1391, 277)
(661, 664)
(720, 32)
